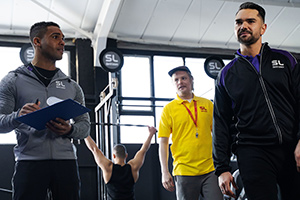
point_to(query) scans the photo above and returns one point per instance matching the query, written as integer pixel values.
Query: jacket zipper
(263, 86)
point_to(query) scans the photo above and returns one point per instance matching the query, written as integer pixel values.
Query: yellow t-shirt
(192, 155)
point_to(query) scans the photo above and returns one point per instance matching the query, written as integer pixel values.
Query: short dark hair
(251, 5)
(120, 151)
(39, 29)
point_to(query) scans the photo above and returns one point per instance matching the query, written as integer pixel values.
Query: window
(135, 77)
(10, 60)
(136, 105)
(204, 86)
(137, 82)
(134, 134)
(162, 82)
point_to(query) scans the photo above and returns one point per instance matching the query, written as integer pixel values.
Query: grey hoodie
(22, 86)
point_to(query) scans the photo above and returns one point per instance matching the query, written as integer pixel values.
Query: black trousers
(33, 179)
(263, 167)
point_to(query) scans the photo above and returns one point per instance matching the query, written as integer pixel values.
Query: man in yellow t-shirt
(189, 119)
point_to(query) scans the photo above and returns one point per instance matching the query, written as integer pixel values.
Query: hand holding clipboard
(65, 110)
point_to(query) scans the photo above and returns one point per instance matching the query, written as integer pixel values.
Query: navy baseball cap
(180, 68)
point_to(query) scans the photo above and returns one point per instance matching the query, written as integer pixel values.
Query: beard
(51, 53)
(247, 40)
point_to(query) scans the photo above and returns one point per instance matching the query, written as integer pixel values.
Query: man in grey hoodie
(45, 159)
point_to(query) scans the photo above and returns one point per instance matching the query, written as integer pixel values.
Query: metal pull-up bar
(116, 124)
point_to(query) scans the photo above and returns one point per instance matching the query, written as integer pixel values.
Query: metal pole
(115, 124)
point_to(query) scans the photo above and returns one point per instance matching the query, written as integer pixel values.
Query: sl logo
(59, 84)
(277, 64)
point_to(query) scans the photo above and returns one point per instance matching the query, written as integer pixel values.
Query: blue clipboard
(66, 110)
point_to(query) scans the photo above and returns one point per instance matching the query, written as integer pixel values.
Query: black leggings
(262, 168)
(32, 180)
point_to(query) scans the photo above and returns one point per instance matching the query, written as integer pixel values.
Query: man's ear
(37, 41)
(126, 155)
(263, 29)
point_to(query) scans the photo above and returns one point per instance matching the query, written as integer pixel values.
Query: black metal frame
(152, 99)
